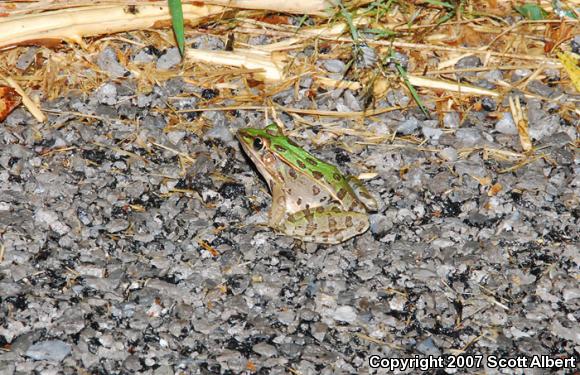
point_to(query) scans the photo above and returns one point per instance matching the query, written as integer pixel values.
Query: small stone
(318, 331)
(520, 74)
(169, 59)
(132, 364)
(265, 350)
(163, 370)
(467, 62)
(107, 94)
(146, 55)
(469, 137)
(51, 350)
(345, 314)
(286, 317)
(428, 347)
(571, 294)
(45, 217)
(432, 133)
(220, 131)
(117, 225)
(380, 224)
(25, 59)
(449, 154)
(451, 120)
(398, 302)
(506, 125)
(488, 104)
(107, 61)
(408, 126)
(334, 66)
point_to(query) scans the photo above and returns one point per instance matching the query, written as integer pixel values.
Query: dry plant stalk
(268, 66)
(73, 23)
(521, 121)
(313, 7)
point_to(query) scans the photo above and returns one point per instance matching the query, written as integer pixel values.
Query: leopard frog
(311, 200)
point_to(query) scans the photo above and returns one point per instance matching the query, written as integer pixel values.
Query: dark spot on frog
(317, 175)
(320, 209)
(348, 221)
(300, 164)
(293, 143)
(278, 147)
(310, 228)
(332, 223)
(337, 176)
(315, 190)
(292, 173)
(312, 161)
(299, 201)
(356, 206)
(341, 194)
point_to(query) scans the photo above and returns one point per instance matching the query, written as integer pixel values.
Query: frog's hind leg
(328, 224)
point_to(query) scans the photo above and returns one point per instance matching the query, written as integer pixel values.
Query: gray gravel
(133, 249)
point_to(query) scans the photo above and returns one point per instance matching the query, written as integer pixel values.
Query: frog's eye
(258, 144)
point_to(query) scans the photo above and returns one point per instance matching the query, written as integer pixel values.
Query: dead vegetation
(434, 37)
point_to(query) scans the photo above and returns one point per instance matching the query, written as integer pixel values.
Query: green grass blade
(177, 22)
(440, 3)
(414, 93)
(348, 18)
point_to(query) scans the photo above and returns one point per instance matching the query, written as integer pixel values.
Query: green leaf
(532, 12)
(177, 22)
(440, 3)
(381, 33)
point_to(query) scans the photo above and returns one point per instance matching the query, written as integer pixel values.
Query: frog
(311, 199)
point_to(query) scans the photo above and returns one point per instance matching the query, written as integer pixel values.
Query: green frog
(311, 200)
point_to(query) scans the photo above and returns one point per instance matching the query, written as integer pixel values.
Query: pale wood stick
(74, 23)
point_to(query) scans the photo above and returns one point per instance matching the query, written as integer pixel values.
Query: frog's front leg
(362, 193)
(326, 224)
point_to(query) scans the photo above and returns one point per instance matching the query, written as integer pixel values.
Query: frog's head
(259, 146)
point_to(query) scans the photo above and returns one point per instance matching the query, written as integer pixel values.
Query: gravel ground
(133, 247)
